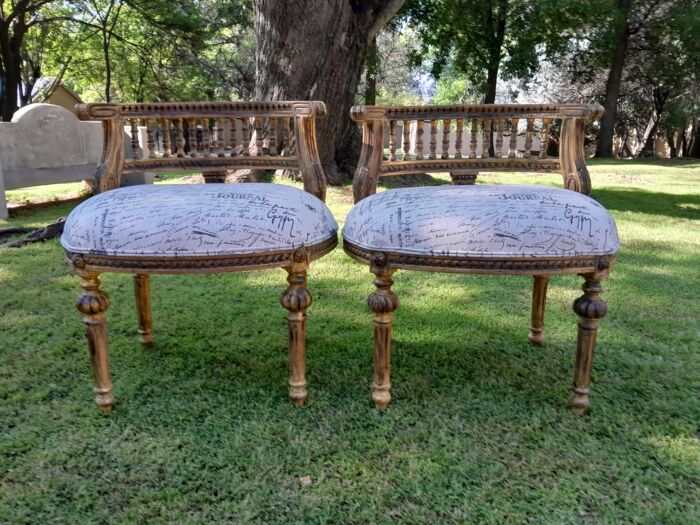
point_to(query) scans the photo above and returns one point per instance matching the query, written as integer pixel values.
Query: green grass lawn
(478, 430)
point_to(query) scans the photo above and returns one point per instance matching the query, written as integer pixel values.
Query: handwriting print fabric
(197, 220)
(483, 221)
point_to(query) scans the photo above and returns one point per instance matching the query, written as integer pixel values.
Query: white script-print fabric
(482, 221)
(197, 220)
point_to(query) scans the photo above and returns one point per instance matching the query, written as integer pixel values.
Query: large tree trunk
(646, 145)
(612, 87)
(372, 66)
(315, 50)
(9, 48)
(693, 148)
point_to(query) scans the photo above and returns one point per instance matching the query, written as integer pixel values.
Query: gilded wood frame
(589, 307)
(374, 164)
(93, 302)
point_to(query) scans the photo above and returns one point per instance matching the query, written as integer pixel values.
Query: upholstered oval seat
(482, 221)
(197, 220)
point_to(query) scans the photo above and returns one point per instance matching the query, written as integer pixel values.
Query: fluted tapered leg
(382, 302)
(142, 289)
(539, 299)
(92, 303)
(589, 307)
(297, 299)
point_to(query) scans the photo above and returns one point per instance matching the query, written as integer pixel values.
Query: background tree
(315, 50)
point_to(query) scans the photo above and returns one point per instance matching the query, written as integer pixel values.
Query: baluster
(192, 126)
(446, 128)
(219, 127)
(513, 138)
(272, 133)
(392, 140)
(165, 127)
(258, 136)
(544, 138)
(292, 147)
(458, 138)
(245, 138)
(528, 138)
(230, 147)
(472, 144)
(150, 138)
(406, 140)
(180, 140)
(486, 140)
(433, 137)
(419, 139)
(134, 138)
(498, 150)
(206, 139)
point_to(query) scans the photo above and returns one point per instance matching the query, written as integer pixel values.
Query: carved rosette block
(462, 178)
(92, 303)
(382, 302)
(297, 299)
(589, 307)
(539, 299)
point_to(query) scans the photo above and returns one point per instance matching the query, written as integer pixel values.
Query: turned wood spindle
(446, 128)
(544, 138)
(589, 307)
(458, 138)
(230, 147)
(245, 137)
(219, 125)
(419, 139)
(539, 300)
(150, 138)
(296, 299)
(135, 138)
(142, 291)
(472, 143)
(486, 139)
(206, 139)
(258, 136)
(513, 138)
(272, 135)
(382, 302)
(165, 128)
(192, 130)
(92, 303)
(498, 149)
(528, 138)
(392, 140)
(406, 140)
(433, 139)
(180, 137)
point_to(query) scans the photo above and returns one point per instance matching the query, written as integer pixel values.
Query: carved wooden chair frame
(374, 164)
(490, 122)
(93, 302)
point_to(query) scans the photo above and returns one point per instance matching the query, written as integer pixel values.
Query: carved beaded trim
(190, 264)
(568, 264)
(388, 168)
(278, 162)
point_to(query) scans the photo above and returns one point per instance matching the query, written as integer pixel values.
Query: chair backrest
(483, 137)
(210, 136)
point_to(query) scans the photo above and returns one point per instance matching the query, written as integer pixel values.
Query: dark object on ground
(50, 231)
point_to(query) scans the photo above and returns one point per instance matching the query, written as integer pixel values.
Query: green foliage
(478, 431)
(484, 38)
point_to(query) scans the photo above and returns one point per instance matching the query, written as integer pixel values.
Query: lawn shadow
(686, 206)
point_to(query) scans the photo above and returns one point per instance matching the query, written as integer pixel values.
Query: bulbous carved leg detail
(539, 299)
(92, 303)
(142, 289)
(297, 299)
(382, 302)
(589, 307)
